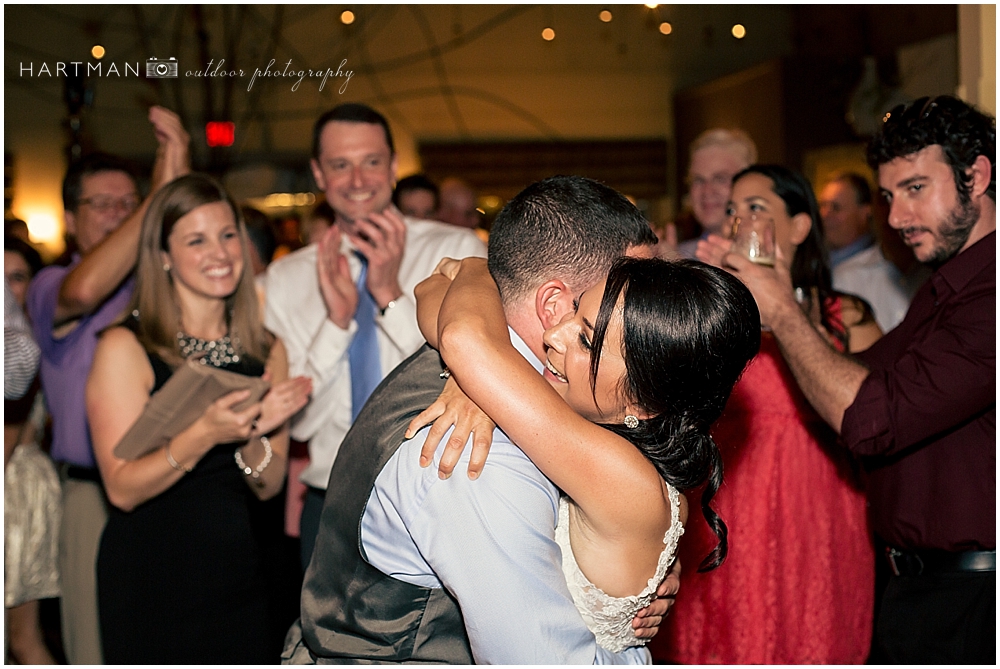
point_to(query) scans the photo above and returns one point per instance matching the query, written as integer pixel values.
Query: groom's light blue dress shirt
(491, 542)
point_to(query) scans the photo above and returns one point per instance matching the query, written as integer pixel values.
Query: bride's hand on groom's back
(648, 620)
(453, 407)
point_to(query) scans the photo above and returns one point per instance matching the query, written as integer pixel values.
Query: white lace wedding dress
(610, 618)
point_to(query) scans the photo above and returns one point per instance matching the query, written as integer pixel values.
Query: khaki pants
(84, 516)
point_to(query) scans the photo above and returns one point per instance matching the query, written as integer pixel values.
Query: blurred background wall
(499, 95)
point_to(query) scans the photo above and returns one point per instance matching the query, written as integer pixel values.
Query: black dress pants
(939, 618)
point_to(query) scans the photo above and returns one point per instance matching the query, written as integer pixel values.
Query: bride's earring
(631, 422)
(166, 267)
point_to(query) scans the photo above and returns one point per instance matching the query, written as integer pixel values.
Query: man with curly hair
(918, 408)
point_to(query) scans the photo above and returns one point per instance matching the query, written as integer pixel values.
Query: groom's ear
(553, 300)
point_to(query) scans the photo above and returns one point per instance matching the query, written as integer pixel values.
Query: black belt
(81, 473)
(928, 561)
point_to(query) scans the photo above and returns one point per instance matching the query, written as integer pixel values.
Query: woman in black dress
(180, 575)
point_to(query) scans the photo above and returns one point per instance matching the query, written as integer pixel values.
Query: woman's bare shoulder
(119, 335)
(120, 355)
(120, 340)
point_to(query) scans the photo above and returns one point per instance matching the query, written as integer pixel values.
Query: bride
(620, 419)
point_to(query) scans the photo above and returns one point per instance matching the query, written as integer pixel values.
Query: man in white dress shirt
(313, 297)
(856, 260)
(458, 570)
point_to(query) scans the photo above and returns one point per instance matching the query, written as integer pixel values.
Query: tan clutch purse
(180, 402)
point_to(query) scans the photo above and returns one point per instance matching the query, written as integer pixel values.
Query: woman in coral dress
(798, 584)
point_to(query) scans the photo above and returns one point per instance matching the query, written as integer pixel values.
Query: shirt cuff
(867, 428)
(399, 325)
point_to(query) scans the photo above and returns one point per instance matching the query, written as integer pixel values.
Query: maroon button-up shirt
(924, 421)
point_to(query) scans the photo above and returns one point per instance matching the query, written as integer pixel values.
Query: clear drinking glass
(753, 237)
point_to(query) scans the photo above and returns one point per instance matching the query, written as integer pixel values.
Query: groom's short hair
(564, 227)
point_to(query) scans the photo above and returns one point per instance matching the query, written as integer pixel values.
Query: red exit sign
(220, 133)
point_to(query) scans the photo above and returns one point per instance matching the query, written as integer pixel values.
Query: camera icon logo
(161, 69)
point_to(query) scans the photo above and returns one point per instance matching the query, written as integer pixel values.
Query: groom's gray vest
(352, 612)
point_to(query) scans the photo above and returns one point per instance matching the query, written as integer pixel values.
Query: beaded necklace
(217, 353)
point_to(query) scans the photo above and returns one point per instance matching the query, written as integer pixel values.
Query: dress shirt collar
(963, 267)
(523, 349)
(838, 256)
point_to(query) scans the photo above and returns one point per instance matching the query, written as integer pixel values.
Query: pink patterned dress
(798, 585)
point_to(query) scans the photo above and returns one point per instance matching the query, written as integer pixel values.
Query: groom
(412, 568)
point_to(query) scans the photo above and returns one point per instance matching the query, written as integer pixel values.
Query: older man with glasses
(716, 156)
(69, 306)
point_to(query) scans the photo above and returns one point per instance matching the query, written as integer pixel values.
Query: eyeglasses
(716, 181)
(104, 203)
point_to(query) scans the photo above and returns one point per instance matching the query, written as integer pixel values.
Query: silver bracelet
(173, 463)
(255, 473)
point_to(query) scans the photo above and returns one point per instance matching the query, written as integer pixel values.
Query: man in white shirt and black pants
(345, 307)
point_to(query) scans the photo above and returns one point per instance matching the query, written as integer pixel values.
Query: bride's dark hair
(688, 332)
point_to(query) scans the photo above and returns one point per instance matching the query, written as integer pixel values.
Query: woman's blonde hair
(154, 299)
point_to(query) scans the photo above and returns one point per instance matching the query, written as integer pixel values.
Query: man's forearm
(829, 380)
(101, 271)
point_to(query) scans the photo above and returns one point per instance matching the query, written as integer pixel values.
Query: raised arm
(101, 270)
(829, 380)
(601, 472)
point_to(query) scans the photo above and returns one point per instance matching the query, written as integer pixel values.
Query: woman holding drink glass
(799, 583)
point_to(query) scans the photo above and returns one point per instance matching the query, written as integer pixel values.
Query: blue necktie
(362, 354)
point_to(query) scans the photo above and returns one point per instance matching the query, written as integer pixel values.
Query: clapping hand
(172, 158)
(666, 245)
(281, 402)
(224, 424)
(340, 295)
(381, 238)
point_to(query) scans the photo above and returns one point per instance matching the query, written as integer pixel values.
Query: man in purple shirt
(69, 307)
(919, 407)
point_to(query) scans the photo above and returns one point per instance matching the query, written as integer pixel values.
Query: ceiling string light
(548, 32)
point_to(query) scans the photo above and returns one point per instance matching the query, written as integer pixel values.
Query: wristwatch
(387, 307)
